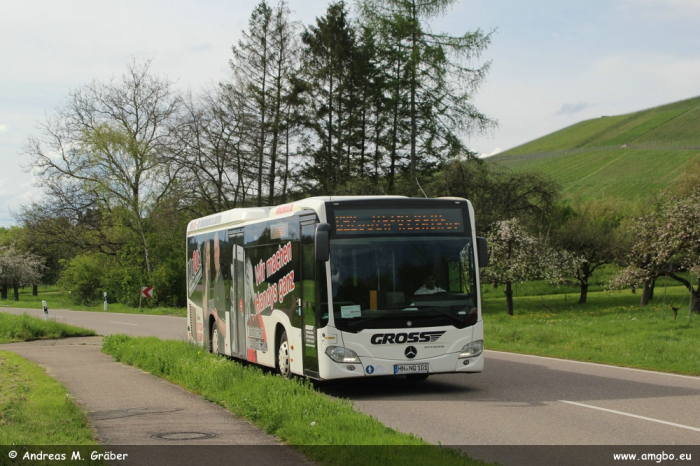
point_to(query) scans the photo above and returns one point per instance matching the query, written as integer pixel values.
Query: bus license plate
(411, 368)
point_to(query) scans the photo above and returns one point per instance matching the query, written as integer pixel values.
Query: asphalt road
(517, 400)
(106, 323)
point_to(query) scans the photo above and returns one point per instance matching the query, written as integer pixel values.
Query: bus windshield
(400, 282)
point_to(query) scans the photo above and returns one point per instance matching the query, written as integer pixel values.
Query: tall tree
(285, 54)
(432, 71)
(213, 157)
(392, 109)
(100, 158)
(252, 68)
(329, 50)
(262, 65)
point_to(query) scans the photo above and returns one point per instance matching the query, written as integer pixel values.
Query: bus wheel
(214, 341)
(283, 357)
(417, 377)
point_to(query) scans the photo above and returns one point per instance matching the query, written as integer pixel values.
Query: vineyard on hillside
(629, 157)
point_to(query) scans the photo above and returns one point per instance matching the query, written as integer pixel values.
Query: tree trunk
(394, 132)
(16, 289)
(285, 175)
(583, 276)
(695, 297)
(263, 113)
(277, 108)
(413, 103)
(647, 290)
(696, 300)
(3, 291)
(35, 290)
(694, 293)
(584, 293)
(508, 290)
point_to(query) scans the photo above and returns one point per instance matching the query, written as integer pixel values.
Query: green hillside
(630, 157)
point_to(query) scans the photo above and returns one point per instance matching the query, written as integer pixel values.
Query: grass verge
(610, 329)
(37, 410)
(288, 409)
(59, 299)
(26, 328)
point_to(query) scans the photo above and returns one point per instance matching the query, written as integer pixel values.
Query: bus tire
(417, 377)
(214, 340)
(283, 365)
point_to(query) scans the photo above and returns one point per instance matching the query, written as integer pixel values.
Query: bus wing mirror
(322, 247)
(483, 251)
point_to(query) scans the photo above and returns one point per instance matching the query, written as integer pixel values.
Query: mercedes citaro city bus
(338, 287)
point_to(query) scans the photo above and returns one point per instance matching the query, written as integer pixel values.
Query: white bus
(338, 287)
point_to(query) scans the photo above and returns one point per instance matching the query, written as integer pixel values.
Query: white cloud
(3, 128)
(493, 152)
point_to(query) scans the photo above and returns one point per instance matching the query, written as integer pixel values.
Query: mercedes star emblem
(411, 352)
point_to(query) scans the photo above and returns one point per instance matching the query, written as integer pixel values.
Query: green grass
(25, 328)
(37, 410)
(590, 162)
(569, 289)
(610, 329)
(59, 299)
(289, 409)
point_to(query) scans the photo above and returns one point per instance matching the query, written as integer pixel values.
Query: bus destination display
(403, 221)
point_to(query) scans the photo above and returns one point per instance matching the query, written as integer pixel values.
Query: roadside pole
(46, 310)
(105, 301)
(690, 309)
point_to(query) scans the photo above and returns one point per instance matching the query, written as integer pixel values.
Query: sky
(552, 63)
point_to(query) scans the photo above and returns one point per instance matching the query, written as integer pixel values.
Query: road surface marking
(125, 323)
(633, 415)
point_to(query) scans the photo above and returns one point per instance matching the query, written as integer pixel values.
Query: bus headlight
(340, 354)
(472, 349)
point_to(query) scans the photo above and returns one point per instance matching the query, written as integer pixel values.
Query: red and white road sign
(147, 292)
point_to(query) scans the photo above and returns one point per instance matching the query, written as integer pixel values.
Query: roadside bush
(82, 276)
(88, 276)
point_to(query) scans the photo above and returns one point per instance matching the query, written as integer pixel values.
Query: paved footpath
(128, 406)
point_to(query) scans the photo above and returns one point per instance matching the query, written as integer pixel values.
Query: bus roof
(244, 215)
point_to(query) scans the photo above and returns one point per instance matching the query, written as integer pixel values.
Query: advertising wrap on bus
(398, 295)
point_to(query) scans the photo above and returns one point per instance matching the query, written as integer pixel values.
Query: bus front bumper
(371, 367)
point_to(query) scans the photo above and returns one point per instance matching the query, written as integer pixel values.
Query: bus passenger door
(237, 330)
(310, 298)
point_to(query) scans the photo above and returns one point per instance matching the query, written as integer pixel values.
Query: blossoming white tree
(668, 239)
(18, 269)
(516, 256)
